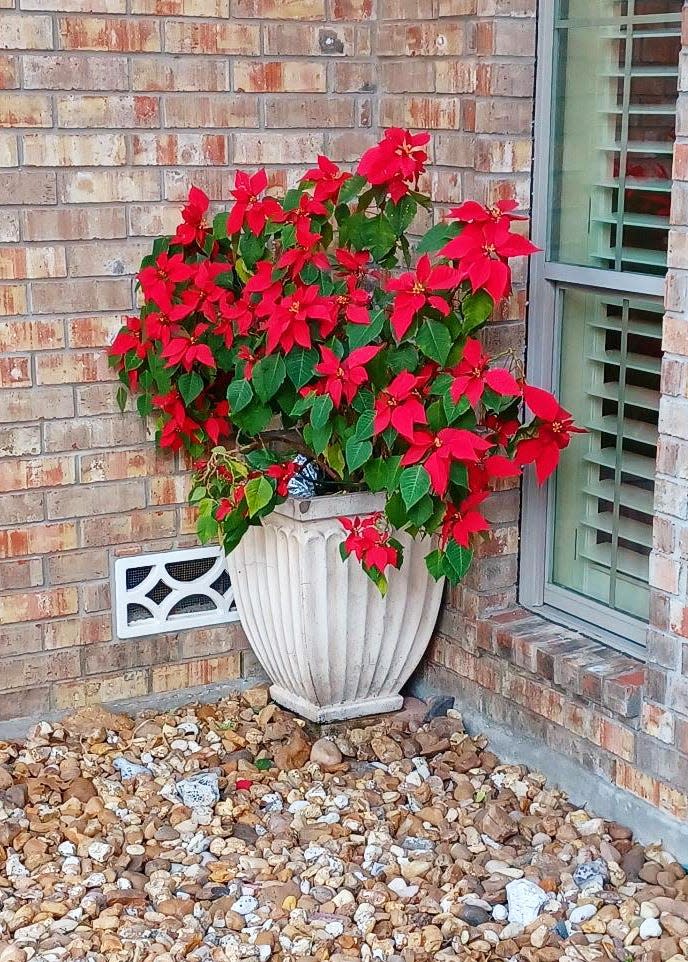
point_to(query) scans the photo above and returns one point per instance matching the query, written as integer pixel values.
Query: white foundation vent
(157, 593)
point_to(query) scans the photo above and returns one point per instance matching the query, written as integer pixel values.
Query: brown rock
(81, 789)
(326, 754)
(93, 719)
(495, 822)
(386, 750)
(294, 753)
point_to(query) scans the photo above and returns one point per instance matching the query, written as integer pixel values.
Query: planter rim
(325, 506)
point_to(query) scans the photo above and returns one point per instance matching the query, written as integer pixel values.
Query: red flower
(399, 405)
(353, 262)
(354, 302)
(158, 282)
(193, 228)
(328, 179)
(397, 160)
(471, 212)
(489, 467)
(554, 428)
(414, 290)
(282, 474)
(462, 522)
(248, 209)
(472, 376)
(438, 451)
(369, 543)
(343, 377)
(179, 427)
(217, 425)
(130, 338)
(305, 252)
(184, 349)
(482, 250)
(287, 323)
(501, 431)
(250, 360)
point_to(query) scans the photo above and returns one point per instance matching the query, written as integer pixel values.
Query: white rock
(200, 791)
(14, 867)
(581, 913)
(129, 769)
(525, 899)
(99, 851)
(245, 905)
(650, 929)
(500, 913)
(401, 889)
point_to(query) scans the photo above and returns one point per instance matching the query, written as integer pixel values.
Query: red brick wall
(110, 110)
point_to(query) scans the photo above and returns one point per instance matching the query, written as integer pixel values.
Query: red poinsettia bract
(481, 252)
(399, 406)
(553, 430)
(472, 375)
(368, 542)
(416, 289)
(193, 228)
(397, 161)
(342, 377)
(439, 451)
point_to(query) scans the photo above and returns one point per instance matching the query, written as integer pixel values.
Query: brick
(280, 9)
(212, 38)
(124, 655)
(424, 112)
(9, 72)
(74, 224)
(34, 606)
(179, 73)
(77, 566)
(95, 331)
(10, 230)
(128, 684)
(25, 110)
(12, 300)
(102, 258)
(31, 335)
(21, 573)
(21, 31)
(310, 112)
(19, 640)
(62, 72)
(92, 500)
(207, 671)
(150, 220)
(182, 8)
(250, 76)
(298, 39)
(95, 596)
(617, 739)
(187, 149)
(430, 39)
(18, 263)
(217, 110)
(15, 371)
(99, 33)
(76, 6)
(75, 632)
(405, 9)
(21, 507)
(133, 527)
(74, 150)
(37, 539)
(9, 155)
(657, 722)
(106, 186)
(30, 187)
(36, 473)
(80, 434)
(168, 490)
(18, 405)
(25, 704)
(74, 367)
(351, 9)
(202, 642)
(117, 465)
(77, 294)
(95, 399)
(354, 77)
(273, 148)
(139, 110)
(15, 442)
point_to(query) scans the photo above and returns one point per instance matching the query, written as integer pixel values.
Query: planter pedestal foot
(330, 713)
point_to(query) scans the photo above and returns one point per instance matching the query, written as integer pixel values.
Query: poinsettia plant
(304, 334)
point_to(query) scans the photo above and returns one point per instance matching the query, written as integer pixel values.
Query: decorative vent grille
(163, 592)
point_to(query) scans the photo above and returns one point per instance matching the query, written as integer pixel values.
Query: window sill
(568, 659)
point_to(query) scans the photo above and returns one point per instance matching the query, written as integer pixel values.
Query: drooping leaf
(258, 494)
(457, 561)
(438, 236)
(476, 308)
(220, 225)
(434, 340)
(401, 214)
(206, 528)
(414, 483)
(360, 335)
(122, 395)
(190, 386)
(421, 511)
(351, 188)
(253, 419)
(268, 375)
(395, 510)
(364, 425)
(321, 410)
(335, 458)
(239, 394)
(433, 563)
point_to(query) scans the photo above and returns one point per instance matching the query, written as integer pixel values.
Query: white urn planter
(332, 646)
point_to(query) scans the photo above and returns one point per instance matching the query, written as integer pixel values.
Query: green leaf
(434, 340)
(144, 405)
(361, 334)
(160, 244)
(263, 764)
(190, 386)
(268, 375)
(259, 493)
(239, 394)
(476, 308)
(433, 563)
(300, 364)
(251, 249)
(404, 358)
(220, 225)
(321, 410)
(253, 419)
(377, 235)
(335, 458)
(420, 512)
(351, 188)
(438, 236)
(317, 438)
(301, 405)
(454, 411)
(225, 280)
(400, 215)
(363, 401)
(364, 425)
(122, 395)
(382, 474)
(206, 528)
(357, 453)
(457, 561)
(395, 510)
(414, 483)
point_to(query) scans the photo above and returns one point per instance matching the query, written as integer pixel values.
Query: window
(605, 121)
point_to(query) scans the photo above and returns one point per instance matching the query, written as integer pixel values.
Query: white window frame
(543, 331)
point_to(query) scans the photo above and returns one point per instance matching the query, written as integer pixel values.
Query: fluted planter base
(332, 646)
